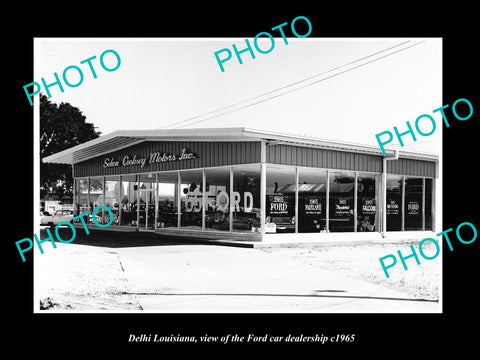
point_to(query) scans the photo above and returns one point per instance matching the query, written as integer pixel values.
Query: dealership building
(247, 185)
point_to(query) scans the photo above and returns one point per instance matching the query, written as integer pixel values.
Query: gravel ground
(77, 277)
(361, 261)
(86, 274)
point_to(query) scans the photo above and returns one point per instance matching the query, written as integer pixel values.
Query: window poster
(313, 205)
(413, 207)
(393, 207)
(368, 206)
(280, 204)
(343, 207)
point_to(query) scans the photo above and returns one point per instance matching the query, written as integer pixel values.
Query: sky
(352, 92)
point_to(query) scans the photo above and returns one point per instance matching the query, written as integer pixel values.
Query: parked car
(46, 218)
(98, 217)
(61, 216)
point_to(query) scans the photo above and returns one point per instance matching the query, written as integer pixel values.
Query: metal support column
(296, 199)
(263, 194)
(230, 195)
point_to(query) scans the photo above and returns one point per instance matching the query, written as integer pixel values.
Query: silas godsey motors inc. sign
(154, 157)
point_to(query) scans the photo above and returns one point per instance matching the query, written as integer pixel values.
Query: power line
(295, 83)
(284, 87)
(298, 88)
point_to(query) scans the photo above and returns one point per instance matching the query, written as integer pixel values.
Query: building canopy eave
(120, 139)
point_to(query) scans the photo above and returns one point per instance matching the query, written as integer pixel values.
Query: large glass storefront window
(394, 203)
(367, 195)
(112, 199)
(147, 193)
(312, 200)
(217, 212)
(128, 203)
(167, 208)
(246, 198)
(341, 189)
(155, 200)
(191, 199)
(280, 201)
(413, 204)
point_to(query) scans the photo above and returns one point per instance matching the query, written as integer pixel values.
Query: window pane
(246, 198)
(191, 199)
(112, 198)
(280, 202)
(394, 203)
(413, 203)
(312, 185)
(76, 204)
(217, 200)
(366, 202)
(428, 204)
(341, 201)
(129, 200)
(167, 200)
(81, 194)
(96, 197)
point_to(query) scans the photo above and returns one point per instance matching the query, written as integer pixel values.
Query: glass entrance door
(146, 214)
(147, 201)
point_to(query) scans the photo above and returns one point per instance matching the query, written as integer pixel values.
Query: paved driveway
(208, 278)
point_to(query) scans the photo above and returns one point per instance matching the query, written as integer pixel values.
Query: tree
(61, 127)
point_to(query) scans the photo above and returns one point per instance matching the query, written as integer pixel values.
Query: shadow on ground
(316, 295)
(118, 239)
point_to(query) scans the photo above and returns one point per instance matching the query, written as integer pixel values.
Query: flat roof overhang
(120, 139)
